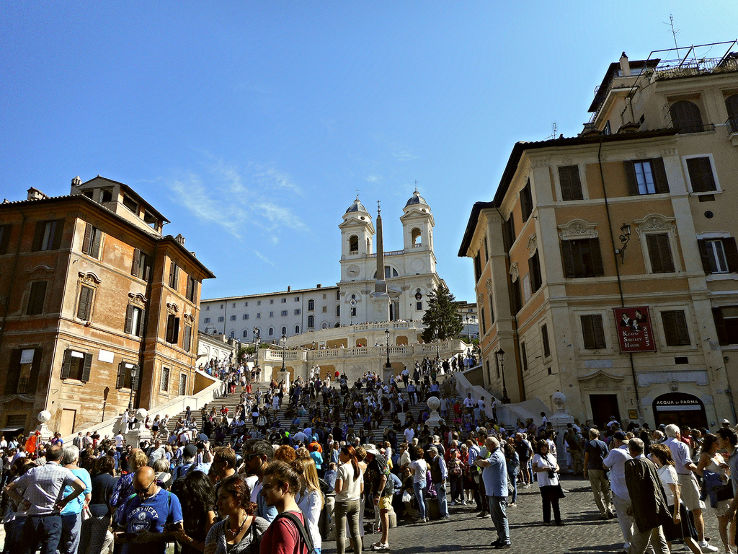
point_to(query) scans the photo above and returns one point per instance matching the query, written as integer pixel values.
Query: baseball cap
(190, 451)
(620, 435)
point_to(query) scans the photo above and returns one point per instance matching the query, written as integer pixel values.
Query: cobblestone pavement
(583, 531)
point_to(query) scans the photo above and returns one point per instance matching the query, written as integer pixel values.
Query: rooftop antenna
(554, 129)
(416, 185)
(674, 32)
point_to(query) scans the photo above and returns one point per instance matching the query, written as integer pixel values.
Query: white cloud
(272, 177)
(263, 258)
(279, 215)
(403, 155)
(373, 178)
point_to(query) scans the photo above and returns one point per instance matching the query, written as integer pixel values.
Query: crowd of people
(322, 458)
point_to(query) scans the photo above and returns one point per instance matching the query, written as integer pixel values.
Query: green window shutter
(731, 253)
(66, 364)
(700, 174)
(129, 319)
(120, 381)
(567, 255)
(96, 239)
(86, 368)
(659, 176)
(136, 262)
(631, 178)
(85, 302)
(705, 256)
(594, 250)
(87, 238)
(659, 252)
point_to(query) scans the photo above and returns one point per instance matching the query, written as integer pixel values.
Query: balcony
(694, 127)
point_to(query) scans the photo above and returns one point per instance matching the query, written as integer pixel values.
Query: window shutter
(146, 267)
(4, 238)
(35, 370)
(731, 253)
(129, 319)
(659, 253)
(704, 256)
(13, 375)
(544, 340)
(142, 323)
(170, 328)
(594, 249)
(700, 174)
(587, 333)
(86, 368)
(571, 185)
(87, 238)
(631, 178)
(722, 331)
(96, 238)
(121, 376)
(136, 262)
(186, 338)
(36, 298)
(659, 176)
(85, 303)
(66, 364)
(681, 329)
(38, 235)
(567, 254)
(58, 228)
(189, 288)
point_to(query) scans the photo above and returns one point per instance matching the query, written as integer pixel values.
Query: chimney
(180, 239)
(35, 194)
(624, 66)
(318, 286)
(76, 181)
(289, 288)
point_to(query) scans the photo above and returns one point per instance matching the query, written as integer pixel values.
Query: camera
(551, 474)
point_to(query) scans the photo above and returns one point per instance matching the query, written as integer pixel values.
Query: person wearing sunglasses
(149, 518)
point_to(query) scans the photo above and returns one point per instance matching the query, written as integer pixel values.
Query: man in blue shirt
(494, 475)
(148, 516)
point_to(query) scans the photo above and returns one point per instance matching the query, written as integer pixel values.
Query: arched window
(311, 321)
(271, 331)
(233, 334)
(389, 272)
(415, 235)
(297, 329)
(311, 304)
(685, 116)
(731, 103)
(353, 244)
(324, 325)
(245, 333)
(284, 330)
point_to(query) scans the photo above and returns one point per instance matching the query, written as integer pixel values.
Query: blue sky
(251, 125)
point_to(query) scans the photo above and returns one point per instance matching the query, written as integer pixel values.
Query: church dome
(356, 206)
(416, 199)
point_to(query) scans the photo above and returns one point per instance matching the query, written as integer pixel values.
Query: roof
(611, 72)
(128, 190)
(262, 294)
(356, 206)
(517, 152)
(99, 207)
(416, 199)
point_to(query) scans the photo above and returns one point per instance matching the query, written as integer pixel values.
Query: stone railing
(421, 350)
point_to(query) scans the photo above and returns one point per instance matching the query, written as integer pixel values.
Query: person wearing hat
(615, 462)
(381, 489)
(726, 424)
(188, 459)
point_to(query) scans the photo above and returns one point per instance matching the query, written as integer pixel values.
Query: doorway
(66, 425)
(603, 407)
(680, 408)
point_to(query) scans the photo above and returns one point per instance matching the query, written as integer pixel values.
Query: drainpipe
(12, 279)
(617, 273)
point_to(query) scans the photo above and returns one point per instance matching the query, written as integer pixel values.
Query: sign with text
(634, 329)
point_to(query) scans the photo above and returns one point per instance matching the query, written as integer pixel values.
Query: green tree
(441, 315)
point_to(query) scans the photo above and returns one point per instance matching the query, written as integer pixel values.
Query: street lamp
(501, 364)
(283, 342)
(134, 375)
(257, 340)
(438, 344)
(388, 365)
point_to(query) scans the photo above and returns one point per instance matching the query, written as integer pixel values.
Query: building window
(524, 356)
(297, 311)
(124, 380)
(182, 384)
(526, 288)
(297, 298)
(164, 383)
(477, 267)
(297, 329)
(592, 332)
(516, 300)
(135, 320)
(325, 309)
(419, 305)
(731, 104)
(582, 258)
(646, 177)
(245, 316)
(685, 116)
(172, 336)
(233, 318)
(141, 267)
(173, 275)
(311, 305)
(544, 341)
(701, 176)
(271, 331)
(284, 313)
(187, 338)
(207, 320)
(207, 308)
(4, 238)
(719, 255)
(726, 322)
(48, 235)
(491, 310)
(353, 312)
(311, 322)
(271, 314)
(221, 319)
(76, 365)
(659, 253)
(245, 333)
(486, 250)
(36, 298)
(484, 321)
(284, 330)
(571, 185)
(130, 203)
(338, 311)
(508, 233)
(23, 370)
(388, 272)
(84, 304)
(284, 301)
(534, 270)
(526, 201)
(246, 304)
(675, 328)
(353, 244)
(271, 301)
(258, 302)
(258, 315)
(192, 288)
(91, 241)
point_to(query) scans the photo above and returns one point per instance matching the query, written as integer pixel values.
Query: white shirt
(468, 402)
(668, 476)
(119, 441)
(409, 434)
(548, 461)
(615, 460)
(419, 467)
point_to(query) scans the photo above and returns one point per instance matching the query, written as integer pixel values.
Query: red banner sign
(634, 329)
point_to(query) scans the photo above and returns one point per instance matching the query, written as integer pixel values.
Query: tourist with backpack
(594, 452)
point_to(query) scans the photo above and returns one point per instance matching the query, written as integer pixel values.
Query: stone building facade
(606, 264)
(99, 309)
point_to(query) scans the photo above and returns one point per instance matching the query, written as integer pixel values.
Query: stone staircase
(231, 401)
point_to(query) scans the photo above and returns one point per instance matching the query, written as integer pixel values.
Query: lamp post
(501, 364)
(438, 344)
(283, 343)
(257, 340)
(388, 365)
(624, 240)
(134, 375)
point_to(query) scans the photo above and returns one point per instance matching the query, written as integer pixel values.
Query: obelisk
(379, 300)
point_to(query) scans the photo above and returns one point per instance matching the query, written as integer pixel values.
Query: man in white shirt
(615, 461)
(409, 434)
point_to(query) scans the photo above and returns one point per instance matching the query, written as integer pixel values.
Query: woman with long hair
(240, 531)
(288, 532)
(310, 497)
(197, 496)
(419, 467)
(513, 468)
(712, 460)
(680, 527)
(349, 486)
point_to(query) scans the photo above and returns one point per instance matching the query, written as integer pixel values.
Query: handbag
(406, 497)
